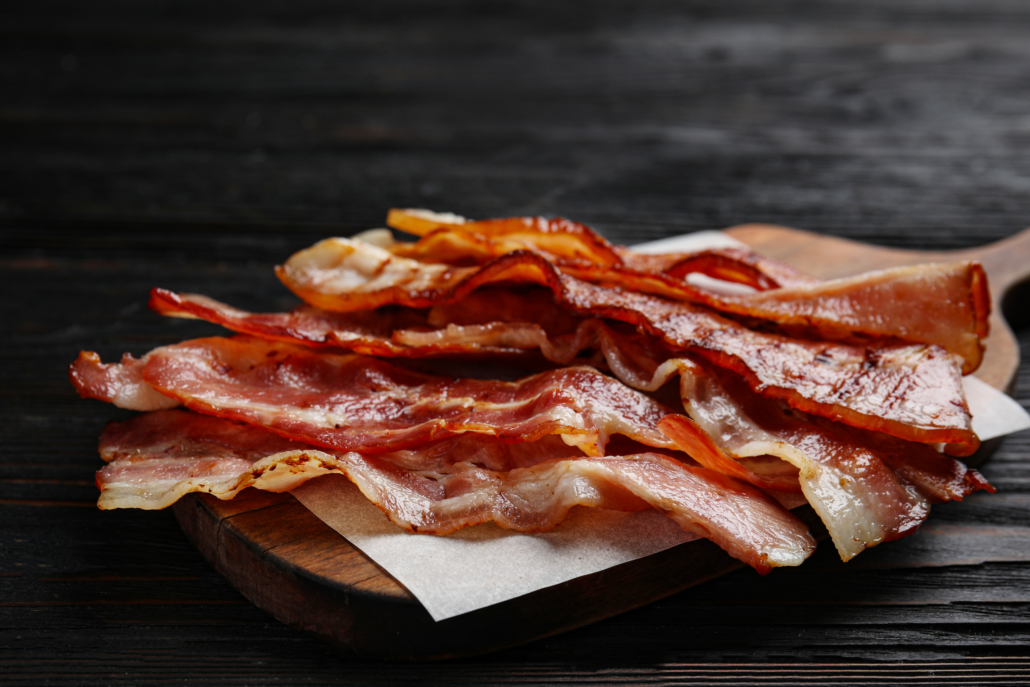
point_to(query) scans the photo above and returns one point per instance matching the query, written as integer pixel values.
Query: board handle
(1007, 261)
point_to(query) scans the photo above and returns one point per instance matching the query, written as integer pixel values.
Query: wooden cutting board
(289, 563)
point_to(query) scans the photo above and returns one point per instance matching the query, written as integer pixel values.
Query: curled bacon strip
(354, 403)
(865, 487)
(121, 383)
(942, 304)
(454, 240)
(850, 477)
(910, 391)
(150, 470)
(560, 238)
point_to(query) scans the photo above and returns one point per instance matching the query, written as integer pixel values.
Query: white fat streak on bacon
(944, 304)
(449, 238)
(866, 488)
(633, 359)
(157, 458)
(351, 402)
(941, 304)
(861, 499)
(119, 383)
(911, 391)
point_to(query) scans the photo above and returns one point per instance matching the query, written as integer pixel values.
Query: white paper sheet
(484, 565)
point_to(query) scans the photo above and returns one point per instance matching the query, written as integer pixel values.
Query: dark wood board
(281, 557)
(192, 144)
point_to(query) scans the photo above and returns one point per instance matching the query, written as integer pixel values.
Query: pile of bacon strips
(613, 381)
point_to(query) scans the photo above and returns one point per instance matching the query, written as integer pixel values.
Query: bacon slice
(119, 383)
(364, 332)
(946, 305)
(487, 323)
(400, 332)
(866, 488)
(851, 478)
(560, 238)
(355, 403)
(454, 240)
(942, 304)
(157, 458)
(910, 391)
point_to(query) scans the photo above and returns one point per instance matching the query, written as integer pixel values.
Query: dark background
(193, 145)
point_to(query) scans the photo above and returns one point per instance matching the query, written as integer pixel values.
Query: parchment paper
(483, 565)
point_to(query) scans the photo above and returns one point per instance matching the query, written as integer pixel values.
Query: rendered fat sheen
(942, 304)
(437, 454)
(829, 379)
(363, 404)
(861, 499)
(524, 488)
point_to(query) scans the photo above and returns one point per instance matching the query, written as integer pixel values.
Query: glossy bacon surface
(364, 331)
(121, 383)
(454, 237)
(157, 458)
(910, 391)
(943, 304)
(946, 304)
(355, 403)
(866, 488)
(454, 240)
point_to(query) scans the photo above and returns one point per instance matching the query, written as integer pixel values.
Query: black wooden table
(192, 145)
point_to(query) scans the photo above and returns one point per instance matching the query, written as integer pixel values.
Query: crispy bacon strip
(366, 332)
(354, 403)
(454, 240)
(866, 488)
(119, 383)
(157, 458)
(850, 477)
(470, 328)
(736, 265)
(560, 238)
(910, 391)
(943, 304)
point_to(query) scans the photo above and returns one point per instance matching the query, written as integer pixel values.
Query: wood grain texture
(290, 564)
(191, 145)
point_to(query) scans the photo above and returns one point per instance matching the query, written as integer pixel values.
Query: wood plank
(201, 142)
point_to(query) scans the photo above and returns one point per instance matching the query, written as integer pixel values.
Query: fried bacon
(383, 332)
(834, 389)
(147, 469)
(942, 304)
(119, 383)
(947, 305)
(560, 239)
(866, 488)
(454, 240)
(355, 403)
(909, 391)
